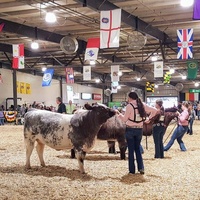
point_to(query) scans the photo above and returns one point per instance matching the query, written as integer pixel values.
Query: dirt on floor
(177, 176)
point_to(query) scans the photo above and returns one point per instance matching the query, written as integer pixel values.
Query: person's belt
(158, 124)
(134, 126)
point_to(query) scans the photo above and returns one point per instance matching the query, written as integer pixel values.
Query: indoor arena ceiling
(158, 20)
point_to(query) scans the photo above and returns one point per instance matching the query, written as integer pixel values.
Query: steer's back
(48, 128)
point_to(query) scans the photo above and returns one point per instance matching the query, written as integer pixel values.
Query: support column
(61, 89)
(15, 88)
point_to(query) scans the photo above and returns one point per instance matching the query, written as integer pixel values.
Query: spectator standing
(2, 117)
(191, 119)
(61, 105)
(70, 107)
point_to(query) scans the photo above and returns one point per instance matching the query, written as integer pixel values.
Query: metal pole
(15, 88)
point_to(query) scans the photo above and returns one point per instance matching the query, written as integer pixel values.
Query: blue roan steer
(60, 131)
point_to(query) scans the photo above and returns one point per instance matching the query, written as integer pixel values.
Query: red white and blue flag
(92, 49)
(110, 22)
(185, 43)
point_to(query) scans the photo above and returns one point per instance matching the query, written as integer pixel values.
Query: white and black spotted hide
(60, 131)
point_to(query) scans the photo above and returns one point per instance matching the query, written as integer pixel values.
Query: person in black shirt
(61, 105)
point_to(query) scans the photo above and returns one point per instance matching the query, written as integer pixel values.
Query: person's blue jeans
(158, 133)
(177, 135)
(190, 130)
(133, 138)
(1, 121)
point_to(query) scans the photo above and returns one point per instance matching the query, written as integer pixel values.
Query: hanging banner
(92, 49)
(150, 87)
(110, 22)
(192, 69)
(1, 26)
(114, 86)
(185, 43)
(114, 73)
(86, 73)
(18, 56)
(69, 75)
(47, 77)
(196, 10)
(158, 69)
(22, 88)
(28, 88)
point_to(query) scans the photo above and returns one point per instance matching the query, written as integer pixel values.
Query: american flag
(185, 42)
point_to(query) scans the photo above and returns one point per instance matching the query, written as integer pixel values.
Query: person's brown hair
(141, 110)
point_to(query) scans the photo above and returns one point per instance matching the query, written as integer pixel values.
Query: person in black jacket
(61, 105)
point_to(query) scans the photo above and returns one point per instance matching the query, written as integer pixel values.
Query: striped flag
(92, 49)
(1, 26)
(185, 43)
(18, 56)
(47, 77)
(110, 22)
(69, 75)
(196, 10)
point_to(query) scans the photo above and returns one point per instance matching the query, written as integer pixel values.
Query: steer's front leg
(80, 155)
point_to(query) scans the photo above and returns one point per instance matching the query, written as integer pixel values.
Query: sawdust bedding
(177, 176)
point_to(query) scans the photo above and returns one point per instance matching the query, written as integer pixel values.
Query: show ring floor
(177, 176)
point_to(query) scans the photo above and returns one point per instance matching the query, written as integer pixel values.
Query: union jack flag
(185, 42)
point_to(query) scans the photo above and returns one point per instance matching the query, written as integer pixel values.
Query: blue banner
(47, 77)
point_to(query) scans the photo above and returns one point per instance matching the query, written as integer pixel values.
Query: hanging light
(44, 69)
(154, 58)
(184, 77)
(171, 71)
(50, 17)
(187, 3)
(92, 62)
(34, 45)
(138, 79)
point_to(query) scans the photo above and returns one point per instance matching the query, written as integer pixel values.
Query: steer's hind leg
(40, 150)
(29, 148)
(80, 155)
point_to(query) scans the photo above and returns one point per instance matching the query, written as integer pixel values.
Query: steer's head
(103, 112)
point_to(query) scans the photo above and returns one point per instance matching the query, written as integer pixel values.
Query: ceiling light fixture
(184, 77)
(171, 71)
(44, 69)
(120, 73)
(187, 3)
(196, 84)
(119, 87)
(97, 80)
(154, 58)
(92, 62)
(34, 45)
(138, 79)
(156, 86)
(50, 17)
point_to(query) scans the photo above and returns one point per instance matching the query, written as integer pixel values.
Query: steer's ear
(88, 106)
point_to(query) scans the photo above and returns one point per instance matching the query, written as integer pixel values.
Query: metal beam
(129, 19)
(29, 31)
